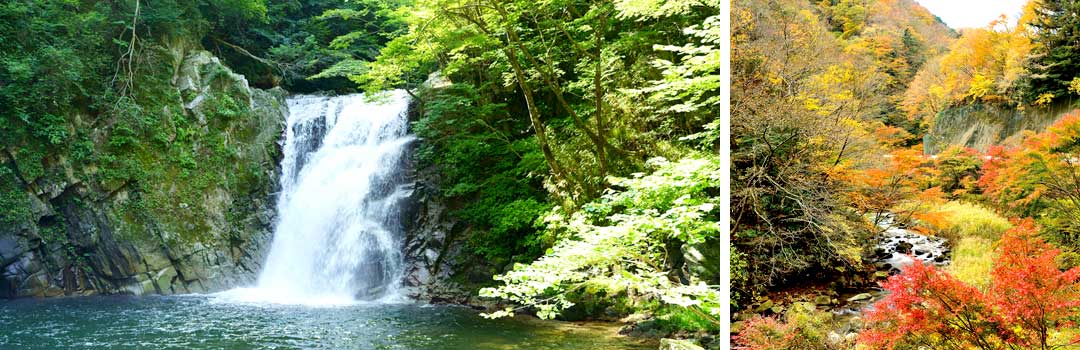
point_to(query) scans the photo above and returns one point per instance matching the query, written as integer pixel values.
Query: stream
(896, 248)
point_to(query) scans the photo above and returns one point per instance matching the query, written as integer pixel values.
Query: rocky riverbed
(896, 246)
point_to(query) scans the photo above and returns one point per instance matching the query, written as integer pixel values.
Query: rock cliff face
(433, 248)
(196, 217)
(439, 269)
(980, 126)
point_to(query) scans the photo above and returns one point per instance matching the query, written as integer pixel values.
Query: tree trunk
(534, 118)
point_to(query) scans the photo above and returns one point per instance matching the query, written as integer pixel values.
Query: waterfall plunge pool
(208, 322)
(337, 241)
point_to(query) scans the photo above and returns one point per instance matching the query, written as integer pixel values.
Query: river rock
(765, 305)
(678, 344)
(804, 307)
(834, 338)
(903, 247)
(860, 297)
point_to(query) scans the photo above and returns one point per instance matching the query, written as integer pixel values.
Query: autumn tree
(1040, 178)
(957, 170)
(904, 177)
(1028, 302)
(926, 95)
(985, 65)
(800, 107)
(847, 17)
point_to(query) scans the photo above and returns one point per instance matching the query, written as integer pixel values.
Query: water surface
(204, 322)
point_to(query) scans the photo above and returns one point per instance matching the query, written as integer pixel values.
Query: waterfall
(337, 239)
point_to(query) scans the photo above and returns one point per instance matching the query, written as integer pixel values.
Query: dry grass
(972, 230)
(960, 220)
(972, 259)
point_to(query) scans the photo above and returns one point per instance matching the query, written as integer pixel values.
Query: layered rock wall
(196, 217)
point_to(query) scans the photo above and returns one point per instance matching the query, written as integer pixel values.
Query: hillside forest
(898, 184)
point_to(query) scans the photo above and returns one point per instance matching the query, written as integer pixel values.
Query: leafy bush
(958, 171)
(676, 318)
(1040, 179)
(14, 202)
(802, 328)
(616, 245)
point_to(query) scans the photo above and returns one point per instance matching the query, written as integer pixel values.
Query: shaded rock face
(86, 237)
(433, 248)
(439, 269)
(980, 126)
(702, 260)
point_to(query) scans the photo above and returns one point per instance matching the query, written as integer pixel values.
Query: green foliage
(738, 266)
(14, 202)
(693, 84)
(88, 103)
(576, 71)
(488, 165)
(310, 45)
(671, 319)
(45, 68)
(1057, 39)
(615, 246)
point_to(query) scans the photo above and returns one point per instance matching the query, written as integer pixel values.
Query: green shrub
(673, 319)
(617, 246)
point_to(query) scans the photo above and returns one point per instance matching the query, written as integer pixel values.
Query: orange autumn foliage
(902, 176)
(1041, 172)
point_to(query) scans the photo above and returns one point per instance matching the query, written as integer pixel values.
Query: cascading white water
(337, 239)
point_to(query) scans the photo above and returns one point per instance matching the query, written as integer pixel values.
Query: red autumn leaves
(1027, 302)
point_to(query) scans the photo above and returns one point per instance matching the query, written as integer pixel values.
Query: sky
(972, 13)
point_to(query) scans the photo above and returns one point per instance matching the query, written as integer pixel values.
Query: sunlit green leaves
(615, 247)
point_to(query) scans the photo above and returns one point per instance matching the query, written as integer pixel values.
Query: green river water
(205, 322)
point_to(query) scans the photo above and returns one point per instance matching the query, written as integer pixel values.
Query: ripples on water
(199, 322)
